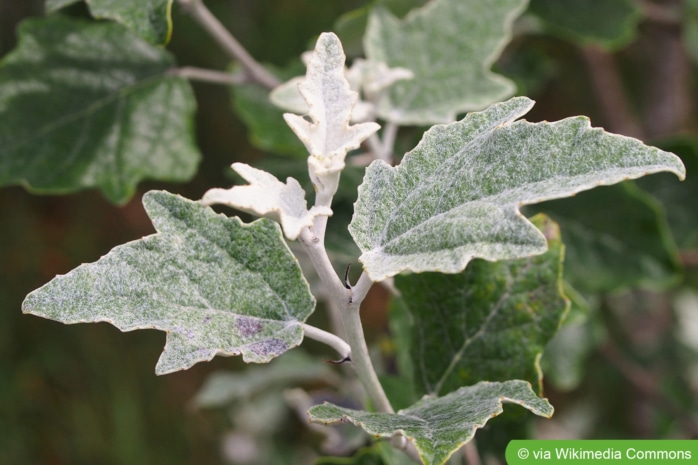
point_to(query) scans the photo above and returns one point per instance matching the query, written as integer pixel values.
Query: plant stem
(389, 135)
(315, 249)
(206, 75)
(361, 359)
(225, 39)
(348, 301)
(329, 339)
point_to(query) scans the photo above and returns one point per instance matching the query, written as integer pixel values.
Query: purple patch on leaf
(269, 347)
(248, 327)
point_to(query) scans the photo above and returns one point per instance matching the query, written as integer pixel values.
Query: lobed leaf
(456, 196)
(610, 24)
(449, 45)
(266, 127)
(268, 197)
(680, 214)
(490, 322)
(440, 426)
(329, 136)
(215, 285)
(625, 244)
(90, 105)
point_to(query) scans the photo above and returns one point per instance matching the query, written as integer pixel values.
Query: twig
(225, 39)
(647, 385)
(348, 302)
(669, 97)
(382, 149)
(361, 358)
(329, 339)
(389, 135)
(609, 91)
(207, 75)
(470, 453)
(661, 13)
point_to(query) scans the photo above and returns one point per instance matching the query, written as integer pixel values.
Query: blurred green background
(87, 394)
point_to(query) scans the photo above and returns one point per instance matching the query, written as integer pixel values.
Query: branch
(361, 358)
(329, 339)
(646, 383)
(206, 75)
(197, 10)
(349, 302)
(665, 14)
(608, 87)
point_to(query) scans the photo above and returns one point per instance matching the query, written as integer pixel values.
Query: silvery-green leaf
(439, 426)
(449, 45)
(456, 196)
(329, 136)
(268, 197)
(87, 104)
(150, 19)
(375, 77)
(490, 322)
(215, 285)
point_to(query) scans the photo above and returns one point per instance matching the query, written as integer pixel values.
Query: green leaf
(351, 26)
(677, 198)
(379, 453)
(490, 322)
(439, 426)
(450, 46)
(610, 24)
(267, 128)
(456, 196)
(567, 353)
(150, 19)
(90, 105)
(223, 387)
(214, 284)
(625, 244)
(51, 6)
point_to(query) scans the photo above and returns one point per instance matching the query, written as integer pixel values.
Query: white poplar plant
(219, 286)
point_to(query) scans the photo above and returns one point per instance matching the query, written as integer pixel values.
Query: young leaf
(90, 105)
(329, 137)
(490, 322)
(217, 286)
(150, 19)
(449, 45)
(456, 196)
(440, 426)
(268, 197)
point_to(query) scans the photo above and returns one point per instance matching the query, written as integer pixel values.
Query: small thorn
(346, 277)
(339, 362)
